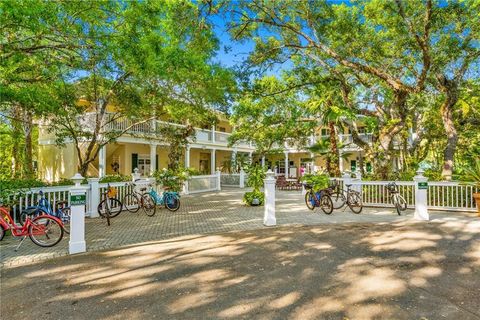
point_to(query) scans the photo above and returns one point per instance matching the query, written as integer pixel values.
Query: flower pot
(255, 202)
(476, 196)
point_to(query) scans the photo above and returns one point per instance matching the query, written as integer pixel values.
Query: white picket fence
(203, 183)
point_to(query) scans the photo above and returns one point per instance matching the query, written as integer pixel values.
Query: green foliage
(248, 197)
(318, 181)
(170, 179)
(256, 175)
(115, 178)
(472, 173)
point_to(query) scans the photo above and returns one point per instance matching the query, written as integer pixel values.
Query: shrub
(170, 179)
(317, 181)
(249, 196)
(115, 178)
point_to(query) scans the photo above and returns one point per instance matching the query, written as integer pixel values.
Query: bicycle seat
(348, 185)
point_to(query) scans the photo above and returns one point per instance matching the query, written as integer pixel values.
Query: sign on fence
(423, 186)
(78, 200)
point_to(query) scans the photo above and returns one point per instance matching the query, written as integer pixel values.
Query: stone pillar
(153, 158)
(102, 161)
(287, 173)
(242, 178)
(78, 200)
(421, 188)
(187, 157)
(269, 218)
(212, 161)
(93, 184)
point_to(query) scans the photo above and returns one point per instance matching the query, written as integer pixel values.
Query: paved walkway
(367, 271)
(199, 214)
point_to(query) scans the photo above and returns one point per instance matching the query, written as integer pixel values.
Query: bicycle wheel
(310, 200)
(45, 231)
(338, 199)
(66, 217)
(172, 202)
(326, 204)
(148, 205)
(355, 202)
(400, 204)
(132, 202)
(111, 207)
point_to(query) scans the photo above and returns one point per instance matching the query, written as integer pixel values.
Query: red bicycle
(43, 230)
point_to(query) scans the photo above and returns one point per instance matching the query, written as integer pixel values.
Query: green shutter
(156, 162)
(134, 161)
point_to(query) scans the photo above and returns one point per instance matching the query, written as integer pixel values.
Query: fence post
(421, 188)
(219, 186)
(77, 223)
(185, 187)
(93, 185)
(242, 178)
(269, 218)
(136, 175)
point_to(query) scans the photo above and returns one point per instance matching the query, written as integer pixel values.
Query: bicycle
(397, 200)
(135, 200)
(62, 211)
(43, 230)
(170, 199)
(349, 197)
(110, 206)
(318, 199)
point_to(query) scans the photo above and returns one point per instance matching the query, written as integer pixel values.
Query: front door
(144, 165)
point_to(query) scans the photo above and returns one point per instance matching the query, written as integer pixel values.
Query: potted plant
(171, 180)
(473, 174)
(256, 175)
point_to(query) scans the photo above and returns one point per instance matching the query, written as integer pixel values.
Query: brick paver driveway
(199, 214)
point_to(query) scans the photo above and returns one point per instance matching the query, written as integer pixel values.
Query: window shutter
(134, 161)
(156, 162)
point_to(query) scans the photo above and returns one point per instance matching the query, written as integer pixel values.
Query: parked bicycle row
(46, 225)
(335, 197)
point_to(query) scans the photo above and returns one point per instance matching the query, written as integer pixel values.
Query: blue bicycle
(62, 211)
(170, 199)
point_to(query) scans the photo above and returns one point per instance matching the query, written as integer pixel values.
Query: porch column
(153, 158)
(250, 157)
(287, 173)
(340, 161)
(187, 157)
(263, 161)
(213, 134)
(102, 161)
(234, 160)
(212, 161)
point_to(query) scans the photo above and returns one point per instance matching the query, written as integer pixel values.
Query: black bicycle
(318, 199)
(350, 197)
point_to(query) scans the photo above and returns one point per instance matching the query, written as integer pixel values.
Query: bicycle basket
(112, 192)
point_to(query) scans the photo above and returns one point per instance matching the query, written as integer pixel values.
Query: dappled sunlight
(405, 241)
(241, 308)
(284, 301)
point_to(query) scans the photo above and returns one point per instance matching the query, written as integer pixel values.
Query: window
(325, 132)
(221, 129)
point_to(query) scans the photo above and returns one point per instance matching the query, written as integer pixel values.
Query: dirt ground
(399, 270)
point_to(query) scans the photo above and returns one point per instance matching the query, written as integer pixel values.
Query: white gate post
(421, 188)
(93, 185)
(219, 186)
(77, 219)
(269, 218)
(242, 178)
(185, 187)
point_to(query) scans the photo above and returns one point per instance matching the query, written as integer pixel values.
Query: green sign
(78, 200)
(422, 185)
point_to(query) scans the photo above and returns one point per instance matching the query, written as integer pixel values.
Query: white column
(94, 195)
(250, 157)
(212, 161)
(213, 134)
(287, 173)
(421, 188)
(269, 218)
(242, 178)
(153, 158)
(102, 161)
(234, 160)
(340, 161)
(263, 161)
(78, 200)
(187, 157)
(219, 181)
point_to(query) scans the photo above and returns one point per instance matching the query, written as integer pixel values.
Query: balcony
(148, 130)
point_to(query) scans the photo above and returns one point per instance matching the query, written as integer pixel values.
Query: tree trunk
(334, 170)
(450, 88)
(28, 158)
